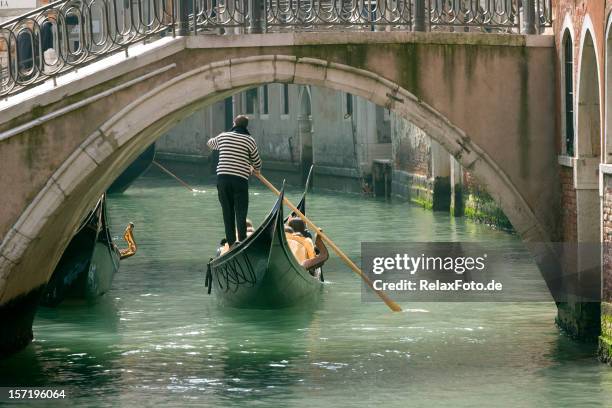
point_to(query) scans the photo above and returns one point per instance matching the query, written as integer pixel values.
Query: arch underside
(91, 168)
(588, 112)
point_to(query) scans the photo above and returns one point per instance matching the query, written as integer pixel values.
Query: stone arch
(588, 114)
(607, 151)
(588, 139)
(103, 154)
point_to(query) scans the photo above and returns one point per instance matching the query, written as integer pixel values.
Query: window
(349, 105)
(285, 99)
(229, 112)
(264, 101)
(251, 100)
(569, 94)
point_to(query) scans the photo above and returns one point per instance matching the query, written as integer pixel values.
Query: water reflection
(82, 363)
(158, 339)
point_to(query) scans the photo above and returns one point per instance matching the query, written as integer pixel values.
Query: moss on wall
(442, 194)
(604, 351)
(481, 207)
(457, 205)
(423, 200)
(579, 320)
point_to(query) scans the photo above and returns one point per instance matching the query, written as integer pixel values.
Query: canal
(158, 337)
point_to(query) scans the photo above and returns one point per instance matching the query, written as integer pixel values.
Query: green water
(158, 339)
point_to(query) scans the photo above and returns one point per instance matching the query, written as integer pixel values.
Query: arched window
(349, 105)
(568, 91)
(608, 95)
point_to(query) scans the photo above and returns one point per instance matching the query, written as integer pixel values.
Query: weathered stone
(133, 106)
(16, 317)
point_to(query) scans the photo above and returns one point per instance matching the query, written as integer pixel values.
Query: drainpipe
(419, 15)
(529, 16)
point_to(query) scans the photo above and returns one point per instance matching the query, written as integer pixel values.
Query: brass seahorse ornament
(128, 236)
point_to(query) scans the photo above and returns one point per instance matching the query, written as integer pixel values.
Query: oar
(187, 186)
(389, 302)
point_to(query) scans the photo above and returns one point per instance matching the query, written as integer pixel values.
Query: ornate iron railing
(66, 34)
(475, 13)
(543, 10)
(317, 14)
(511, 16)
(514, 16)
(219, 13)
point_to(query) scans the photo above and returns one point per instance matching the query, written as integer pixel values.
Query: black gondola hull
(88, 265)
(133, 171)
(262, 272)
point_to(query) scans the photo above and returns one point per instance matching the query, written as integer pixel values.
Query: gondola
(89, 263)
(261, 272)
(134, 170)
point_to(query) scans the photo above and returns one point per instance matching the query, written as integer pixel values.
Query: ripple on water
(160, 334)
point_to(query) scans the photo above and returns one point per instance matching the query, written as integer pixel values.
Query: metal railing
(346, 14)
(512, 16)
(67, 34)
(255, 16)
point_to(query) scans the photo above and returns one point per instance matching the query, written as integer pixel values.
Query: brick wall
(568, 205)
(411, 148)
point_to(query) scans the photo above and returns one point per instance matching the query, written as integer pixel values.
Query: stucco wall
(343, 144)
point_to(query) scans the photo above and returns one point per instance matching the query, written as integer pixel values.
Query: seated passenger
(322, 255)
(301, 247)
(299, 226)
(250, 229)
(224, 247)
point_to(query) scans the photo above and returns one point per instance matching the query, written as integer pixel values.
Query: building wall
(412, 171)
(276, 133)
(6, 13)
(584, 181)
(422, 174)
(190, 136)
(347, 132)
(605, 339)
(568, 196)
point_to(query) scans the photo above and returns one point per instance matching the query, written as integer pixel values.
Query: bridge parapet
(69, 34)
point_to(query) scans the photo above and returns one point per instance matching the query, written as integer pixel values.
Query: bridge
(74, 116)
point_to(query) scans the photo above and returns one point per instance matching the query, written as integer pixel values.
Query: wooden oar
(187, 186)
(388, 301)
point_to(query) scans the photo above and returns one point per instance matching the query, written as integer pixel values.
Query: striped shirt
(237, 153)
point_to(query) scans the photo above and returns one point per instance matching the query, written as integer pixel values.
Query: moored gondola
(262, 272)
(133, 171)
(89, 263)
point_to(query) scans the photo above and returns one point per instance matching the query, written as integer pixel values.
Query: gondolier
(238, 156)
